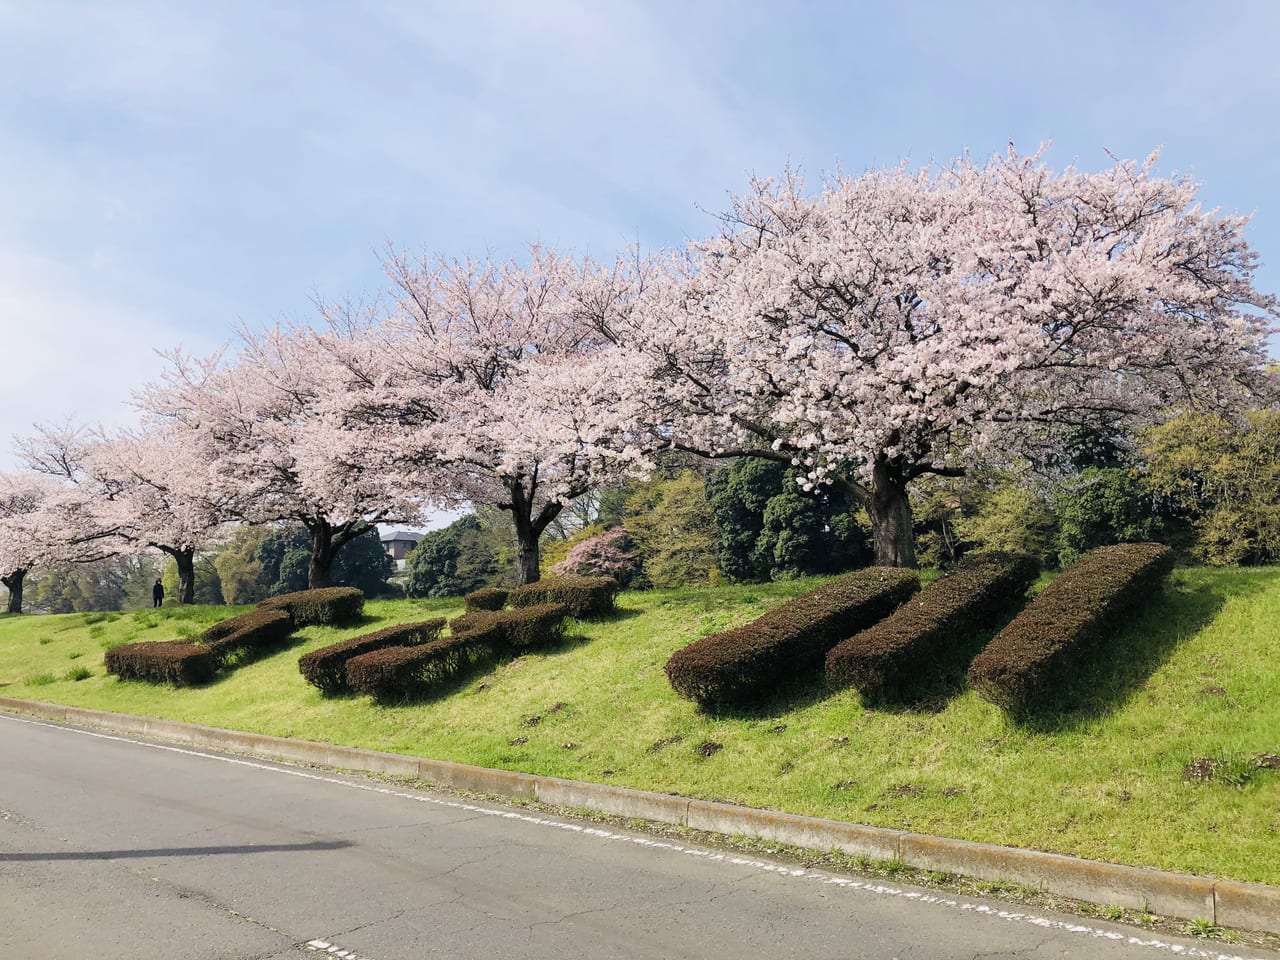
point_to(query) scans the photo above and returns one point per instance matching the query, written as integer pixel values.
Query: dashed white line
(321, 946)
(847, 883)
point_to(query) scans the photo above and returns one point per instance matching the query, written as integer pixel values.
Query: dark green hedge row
(885, 658)
(326, 668)
(582, 596)
(324, 606)
(396, 673)
(486, 598)
(526, 628)
(177, 662)
(740, 664)
(1086, 604)
(248, 633)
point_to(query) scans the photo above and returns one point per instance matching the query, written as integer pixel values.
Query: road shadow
(177, 851)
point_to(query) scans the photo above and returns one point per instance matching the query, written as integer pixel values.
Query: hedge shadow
(1112, 672)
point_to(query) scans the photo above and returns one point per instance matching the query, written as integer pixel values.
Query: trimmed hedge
(326, 605)
(1087, 603)
(582, 596)
(883, 659)
(326, 668)
(250, 632)
(486, 598)
(740, 664)
(396, 673)
(177, 662)
(525, 628)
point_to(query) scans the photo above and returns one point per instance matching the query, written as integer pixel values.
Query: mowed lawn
(1099, 773)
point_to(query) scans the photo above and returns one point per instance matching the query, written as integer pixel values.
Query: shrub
(251, 632)
(608, 554)
(581, 596)
(325, 606)
(525, 628)
(486, 598)
(1087, 603)
(326, 668)
(396, 673)
(735, 666)
(183, 664)
(882, 659)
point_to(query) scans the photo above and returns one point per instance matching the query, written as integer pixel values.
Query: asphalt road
(113, 848)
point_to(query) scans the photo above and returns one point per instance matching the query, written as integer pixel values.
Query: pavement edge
(1228, 903)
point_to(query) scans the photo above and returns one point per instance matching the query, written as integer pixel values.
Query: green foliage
(1105, 506)
(239, 569)
(487, 554)
(1012, 518)
(432, 568)
(208, 583)
(769, 529)
(260, 562)
(112, 584)
(675, 530)
(1224, 480)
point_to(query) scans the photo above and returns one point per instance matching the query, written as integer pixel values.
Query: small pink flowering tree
(898, 324)
(608, 554)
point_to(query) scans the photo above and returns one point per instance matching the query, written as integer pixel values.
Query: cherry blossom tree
(263, 433)
(44, 521)
(142, 486)
(487, 383)
(898, 324)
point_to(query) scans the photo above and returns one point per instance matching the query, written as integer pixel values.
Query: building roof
(402, 535)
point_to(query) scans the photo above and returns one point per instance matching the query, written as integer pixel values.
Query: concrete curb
(1247, 906)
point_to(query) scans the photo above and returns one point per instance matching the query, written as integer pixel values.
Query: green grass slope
(1099, 774)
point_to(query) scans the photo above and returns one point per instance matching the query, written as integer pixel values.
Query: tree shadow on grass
(1112, 671)
(443, 687)
(616, 615)
(802, 690)
(931, 689)
(249, 655)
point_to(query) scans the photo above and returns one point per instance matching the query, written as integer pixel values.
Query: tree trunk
(889, 511)
(185, 558)
(529, 529)
(528, 555)
(319, 569)
(13, 582)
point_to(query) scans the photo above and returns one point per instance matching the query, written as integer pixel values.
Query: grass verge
(1114, 769)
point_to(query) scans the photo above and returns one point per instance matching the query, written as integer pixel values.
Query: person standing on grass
(157, 594)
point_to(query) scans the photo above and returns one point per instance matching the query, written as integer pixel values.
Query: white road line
(598, 833)
(322, 946)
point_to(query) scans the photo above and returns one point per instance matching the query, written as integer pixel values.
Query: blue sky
(168, 170)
